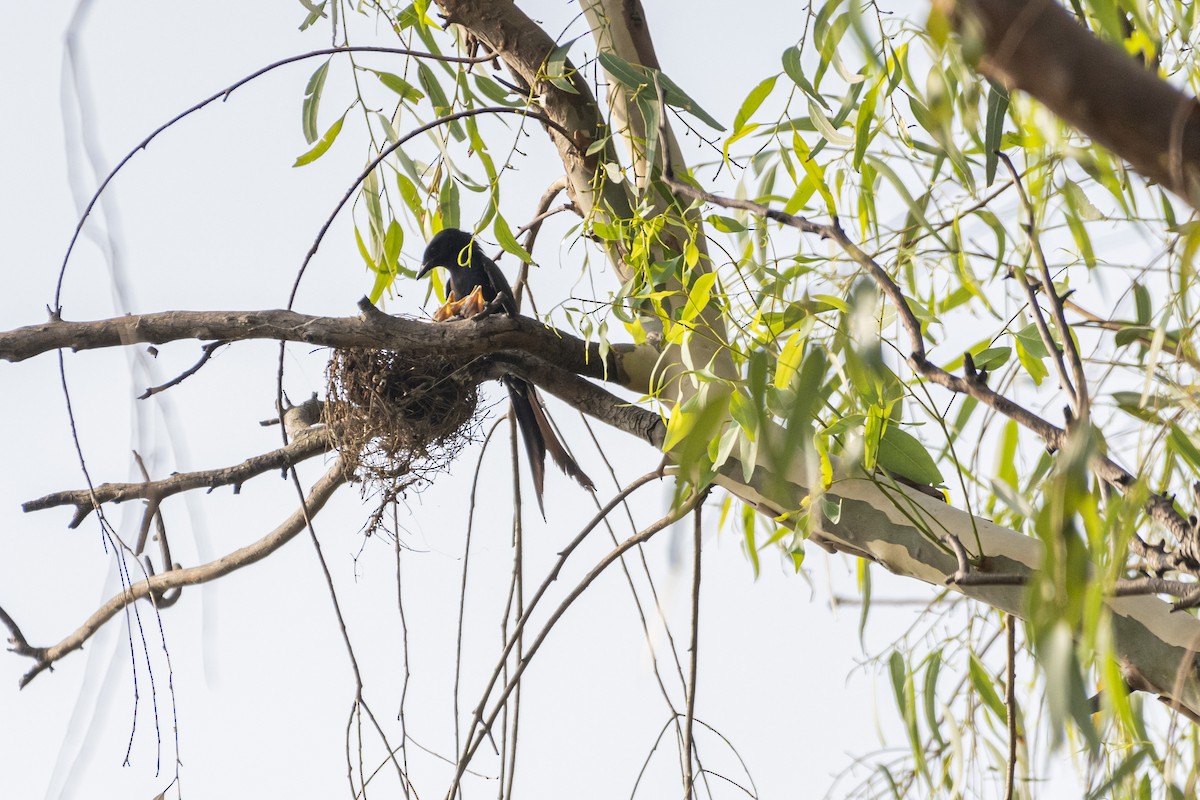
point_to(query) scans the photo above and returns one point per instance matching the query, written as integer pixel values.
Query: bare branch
(1077, 390)
(593, 400)
(1010, 704)
(318, 495)
(303, 447)
(689, 744)
(209, 349)
(524, 47)
(372, 328)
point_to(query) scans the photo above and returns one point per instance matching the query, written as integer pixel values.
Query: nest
(397, 419)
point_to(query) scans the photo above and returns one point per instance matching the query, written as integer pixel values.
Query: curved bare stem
(318, 495)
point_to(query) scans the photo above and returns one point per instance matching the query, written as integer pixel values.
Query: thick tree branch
(1156, 647)
(1037, 47)
(585, 396)
(372, 328)
(156, 585)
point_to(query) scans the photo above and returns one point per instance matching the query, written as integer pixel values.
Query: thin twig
(689, 744)
(1010, 706)
(1077, 390)
(960, 554)
(208, 349)
(533, 227)
(474, 739)
(501, 702)
(462, 589)
(224, 95)
(518, 606)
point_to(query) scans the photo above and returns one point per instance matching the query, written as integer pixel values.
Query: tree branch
(85, 500)
(372, 328)
(593, 400)
(156, 585)
(1037, 47)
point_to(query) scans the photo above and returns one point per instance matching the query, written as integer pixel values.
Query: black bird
(470, 272)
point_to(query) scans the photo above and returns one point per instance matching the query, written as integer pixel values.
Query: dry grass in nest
(398, 419)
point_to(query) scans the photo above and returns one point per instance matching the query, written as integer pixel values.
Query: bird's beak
(426, 268)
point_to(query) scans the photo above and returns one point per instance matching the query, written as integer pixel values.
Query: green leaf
(1006, 460)
(753, 100)
(312, 100)
(494, 91)
(744, 412)
(794, 70)
(725, 224)
(315, 12)
(984, 686)
(1182, 444)
(1142, 303)
(324, 144)
(903, 454)
(699, 295)
(441, 105)
(370, 198)
(929, 694)
(448, 203)
(1031, 340)
(814, 172)
(504, 236)
(862, 125)
(1032, 362)
(833, 301)
(393, 241)
(1127, 768)
(406, 90)
(635, 77)
(915, 209)
(789, 361)
(992, 358)
(555, 67)
(994, 129)
(692, 426)
(364, 252)
(898, 672)
(1065, 693)
(749, 520)
(872, 434)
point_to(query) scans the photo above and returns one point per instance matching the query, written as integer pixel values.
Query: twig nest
(396, 417)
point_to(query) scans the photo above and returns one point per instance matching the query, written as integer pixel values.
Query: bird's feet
(470, 306)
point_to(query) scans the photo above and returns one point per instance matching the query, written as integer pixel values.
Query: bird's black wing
(497, 283)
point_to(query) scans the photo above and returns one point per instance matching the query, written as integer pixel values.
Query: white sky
(212, 216)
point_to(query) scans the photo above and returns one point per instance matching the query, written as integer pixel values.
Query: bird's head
(445, 249)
